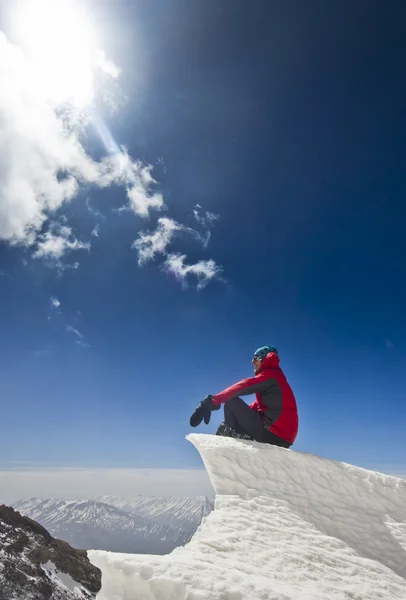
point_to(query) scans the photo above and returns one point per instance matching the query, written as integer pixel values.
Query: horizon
(179, 187)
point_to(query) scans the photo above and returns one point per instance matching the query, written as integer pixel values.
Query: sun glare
(60, 41)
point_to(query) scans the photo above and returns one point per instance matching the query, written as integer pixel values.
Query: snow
(142, 524)
(62, 580)
(286, 526)
(186, 512)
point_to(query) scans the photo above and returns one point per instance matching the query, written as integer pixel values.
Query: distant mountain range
(140, 525)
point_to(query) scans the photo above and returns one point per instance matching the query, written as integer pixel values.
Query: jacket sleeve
(254, 406)
(252, 385)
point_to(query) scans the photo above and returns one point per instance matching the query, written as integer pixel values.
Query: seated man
(272, 418)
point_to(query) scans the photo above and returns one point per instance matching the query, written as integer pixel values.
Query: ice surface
(286, 525)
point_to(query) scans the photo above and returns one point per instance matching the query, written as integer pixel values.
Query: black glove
(203, 411)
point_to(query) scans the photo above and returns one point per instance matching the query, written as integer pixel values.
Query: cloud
(45, 164)
(44, 114)
(94, 211)
(54, 245)
(63, 267)
(139, 194)
(204, 270)
(18, 483)
(120, 168)
(205, 219)
(55, 302)
(54, 306)
(75, 331)
(80, 341)
(150, 244)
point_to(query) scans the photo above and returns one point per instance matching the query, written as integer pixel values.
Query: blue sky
(275, 133)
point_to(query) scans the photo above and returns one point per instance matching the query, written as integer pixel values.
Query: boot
(228, 431)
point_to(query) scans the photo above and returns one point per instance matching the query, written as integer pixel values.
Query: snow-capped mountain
(186, 513)
(286, 525)
(140, 525)
(35, 566)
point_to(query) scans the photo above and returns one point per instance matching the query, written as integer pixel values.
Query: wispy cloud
(75, 331)
(79, 336)
(56, 313)
(141, 198)
(54, 305)
(204, 218)
(95, 231)
(94, 211)
(149, 244)
(56, 242)
(121, 169)
(203, 270)
(64, 266)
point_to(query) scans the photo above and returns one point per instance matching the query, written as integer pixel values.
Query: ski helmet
(264, 350)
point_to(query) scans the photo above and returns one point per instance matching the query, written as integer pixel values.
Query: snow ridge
(286, 526)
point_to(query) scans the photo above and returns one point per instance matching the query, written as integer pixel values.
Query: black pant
(244, 420)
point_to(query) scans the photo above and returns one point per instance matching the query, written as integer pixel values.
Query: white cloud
(204, 270)
(95, 231)
(54, 306)
(136, 177)
(206, 219)
(44, 112)
(141, 199)
(63, 267)
(45, 163)
(150, 244)
(96, 213)
(54, 245)
(55, 302)
(80, 338)
(20, 483)
(75, 331)
(39, 150)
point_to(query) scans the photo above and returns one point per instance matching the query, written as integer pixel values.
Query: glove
(203, 411)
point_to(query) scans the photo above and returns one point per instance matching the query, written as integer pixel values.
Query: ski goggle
(256, 357)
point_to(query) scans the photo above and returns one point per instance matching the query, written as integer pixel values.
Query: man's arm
(252, 385)
(254, 406)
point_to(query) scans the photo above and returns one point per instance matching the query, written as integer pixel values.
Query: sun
(57, 37)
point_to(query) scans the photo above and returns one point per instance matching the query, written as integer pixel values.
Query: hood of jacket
(271, 361)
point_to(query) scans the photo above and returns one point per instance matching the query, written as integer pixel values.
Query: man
(272, 418)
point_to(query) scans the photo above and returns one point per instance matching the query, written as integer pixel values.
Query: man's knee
(234, 402)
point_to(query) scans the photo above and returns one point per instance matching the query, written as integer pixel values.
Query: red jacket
(274, 402)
